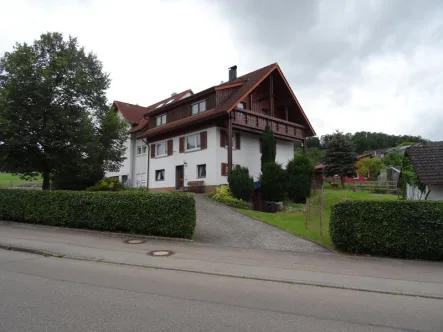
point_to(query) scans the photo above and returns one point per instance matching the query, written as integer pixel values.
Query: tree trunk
(342, 180)
(46, 184)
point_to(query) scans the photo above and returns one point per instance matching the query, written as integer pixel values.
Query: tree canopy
(54, 117)
(371, 167)
(340, 156)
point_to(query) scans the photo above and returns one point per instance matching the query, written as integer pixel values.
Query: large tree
(340, 156)
(371, 167)
(52, 107)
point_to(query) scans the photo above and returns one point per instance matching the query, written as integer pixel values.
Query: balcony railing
(254, 120)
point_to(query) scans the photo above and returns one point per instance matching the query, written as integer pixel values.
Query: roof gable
(427, 159)
(131, 113)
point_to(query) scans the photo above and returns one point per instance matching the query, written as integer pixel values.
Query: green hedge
(397, 229)
(160, 214)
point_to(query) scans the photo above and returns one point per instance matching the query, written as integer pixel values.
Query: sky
(354, 65)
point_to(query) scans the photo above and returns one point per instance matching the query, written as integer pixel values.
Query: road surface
(58, 294)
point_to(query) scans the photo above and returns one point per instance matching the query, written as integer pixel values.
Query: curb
(284, 281)
(90, 231)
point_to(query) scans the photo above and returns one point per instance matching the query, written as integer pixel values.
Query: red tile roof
(135, 114)
(131, 113)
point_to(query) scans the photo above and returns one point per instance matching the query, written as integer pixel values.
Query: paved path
(221, 225)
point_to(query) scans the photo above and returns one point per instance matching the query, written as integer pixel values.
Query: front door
(179, 177)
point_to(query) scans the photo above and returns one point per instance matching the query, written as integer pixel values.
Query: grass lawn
(7, 178)
(295, 221)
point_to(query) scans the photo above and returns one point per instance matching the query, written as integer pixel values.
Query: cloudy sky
(373, 65)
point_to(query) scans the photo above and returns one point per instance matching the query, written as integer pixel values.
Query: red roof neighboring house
(357, 178)
(135, 114)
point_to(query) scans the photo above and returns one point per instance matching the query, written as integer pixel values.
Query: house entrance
(179, 177)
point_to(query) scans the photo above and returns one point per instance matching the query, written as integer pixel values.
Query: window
(144, 149)
(201, 171)
(160, 120)
(160, 175)
(355, 175)
(170, 101)
(160, 105)
(161, 149)
(241, 105)
(139, 150)
(265, 111)
(198, 107)
(193, 142)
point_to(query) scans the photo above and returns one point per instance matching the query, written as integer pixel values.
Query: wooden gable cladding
(170, 147)
(222, 95)
(183, 111)
(203, 140)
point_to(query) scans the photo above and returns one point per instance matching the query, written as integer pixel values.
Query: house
(358, 177)
(198, 137)
(427, 160)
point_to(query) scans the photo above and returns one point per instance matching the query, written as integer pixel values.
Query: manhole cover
(161, 253)
(134, 241)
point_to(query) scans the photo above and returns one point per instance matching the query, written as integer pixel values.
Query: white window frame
(162, 118)
(157, 172)
(233, 142)
(198, 173)
(139, 150)
(144, 149)
(197, 142)
(156, 149)
(199, 108)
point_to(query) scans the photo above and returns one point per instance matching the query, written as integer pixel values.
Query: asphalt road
(57, 294)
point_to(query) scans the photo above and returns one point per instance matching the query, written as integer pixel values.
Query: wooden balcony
(258, 122)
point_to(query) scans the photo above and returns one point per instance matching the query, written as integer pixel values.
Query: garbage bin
(272, 208)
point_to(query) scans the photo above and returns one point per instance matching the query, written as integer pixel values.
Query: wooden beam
(229, 141)
(271, 93)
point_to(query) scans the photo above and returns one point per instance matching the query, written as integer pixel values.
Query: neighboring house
(199, 137)
(358, 177)
(427, 160)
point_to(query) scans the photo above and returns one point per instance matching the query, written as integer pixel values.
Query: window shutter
(152, 150)
(222, 138)
(170, 147)
(203, 140)
(224, 168)
(182, 144)
(237, 166)
(237, 141)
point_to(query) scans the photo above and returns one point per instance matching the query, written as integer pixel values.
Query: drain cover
(134, 241)
(161, 253)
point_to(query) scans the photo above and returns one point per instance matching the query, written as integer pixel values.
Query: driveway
(221, 225)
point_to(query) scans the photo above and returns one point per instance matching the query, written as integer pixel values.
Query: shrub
(223, 195)
(160, 214)
(268, 147)
(300, 172)
(273, 182)
(403, 229)
(107, 184)
(240, 183)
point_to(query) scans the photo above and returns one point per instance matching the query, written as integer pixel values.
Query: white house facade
(184, 139)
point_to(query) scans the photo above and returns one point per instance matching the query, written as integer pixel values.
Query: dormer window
(160, 120)
(198, 107)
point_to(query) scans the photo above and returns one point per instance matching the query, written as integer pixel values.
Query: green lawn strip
(7, 178)
(293, 222)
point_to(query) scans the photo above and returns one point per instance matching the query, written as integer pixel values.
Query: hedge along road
(220, 225)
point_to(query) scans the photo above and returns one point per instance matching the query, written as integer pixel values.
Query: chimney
(232, 73)
(173, 94)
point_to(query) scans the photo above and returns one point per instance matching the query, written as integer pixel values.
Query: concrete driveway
(220, 225)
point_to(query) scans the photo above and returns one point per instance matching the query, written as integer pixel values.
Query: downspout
(147, 162)
(429, 191)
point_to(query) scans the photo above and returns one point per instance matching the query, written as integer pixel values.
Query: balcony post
(229, 141)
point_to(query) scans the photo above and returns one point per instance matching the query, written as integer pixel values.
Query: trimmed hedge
(159, 214)
(401, 229)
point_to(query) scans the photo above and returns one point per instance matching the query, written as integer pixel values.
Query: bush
(160, 214)
(403, 229)
(268, 147)
(240, 183)
(273, 182)
(223, 195)
(300, 172)
(107, 184)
